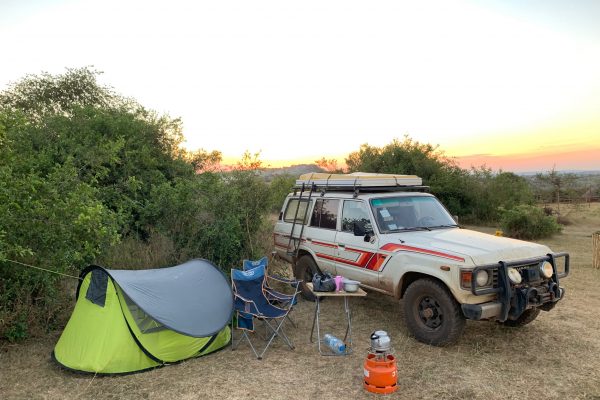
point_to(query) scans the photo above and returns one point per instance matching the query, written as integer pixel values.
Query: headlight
(482, 278)
(546, 269)
(514, 275)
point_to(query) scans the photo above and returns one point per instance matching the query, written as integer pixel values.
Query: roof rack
(360, 182)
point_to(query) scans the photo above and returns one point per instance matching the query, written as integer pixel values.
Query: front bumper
(513, 300)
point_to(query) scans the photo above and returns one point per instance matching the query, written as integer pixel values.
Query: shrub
(528, 222)
(475, 195)
(82, 169)
(279, 188)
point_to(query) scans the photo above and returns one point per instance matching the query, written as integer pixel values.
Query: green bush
(279, 188)
(475, 195)
(88, 176)
(528, 222)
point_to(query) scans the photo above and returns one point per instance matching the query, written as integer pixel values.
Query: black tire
(304, 270)
(432, 314)
(525, 318)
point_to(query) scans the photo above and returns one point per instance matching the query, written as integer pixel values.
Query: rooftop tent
(131, 320)
(357, 179)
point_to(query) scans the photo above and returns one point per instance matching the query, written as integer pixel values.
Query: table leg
(318, 327)
(312, 330)
(348, 334)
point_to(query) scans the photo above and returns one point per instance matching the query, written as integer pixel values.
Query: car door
(321, 232)
(356, 258)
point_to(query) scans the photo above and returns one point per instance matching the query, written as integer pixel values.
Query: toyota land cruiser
(387, 232)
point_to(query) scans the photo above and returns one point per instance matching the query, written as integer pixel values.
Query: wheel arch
(412, 276)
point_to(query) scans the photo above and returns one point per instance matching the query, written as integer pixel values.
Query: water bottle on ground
(335, 344)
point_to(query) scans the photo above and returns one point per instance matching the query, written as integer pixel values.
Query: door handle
(341, 245)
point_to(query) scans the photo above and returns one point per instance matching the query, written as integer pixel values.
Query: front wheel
(432, 314)
(525, 318)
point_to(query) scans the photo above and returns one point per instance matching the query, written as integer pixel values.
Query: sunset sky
(511, 84)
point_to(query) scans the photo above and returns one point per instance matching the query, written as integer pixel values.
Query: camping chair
(251, 302)
(275, 297)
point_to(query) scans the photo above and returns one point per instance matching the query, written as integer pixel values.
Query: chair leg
(234, 343)
(291, 321)
(277, 331)
(242, 337)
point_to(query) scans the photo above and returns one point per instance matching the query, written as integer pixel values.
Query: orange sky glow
(505, 83)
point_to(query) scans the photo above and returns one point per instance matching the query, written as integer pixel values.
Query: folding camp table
(348, 336)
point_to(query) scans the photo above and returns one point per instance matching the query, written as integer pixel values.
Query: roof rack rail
(366, 189)
(360, 182)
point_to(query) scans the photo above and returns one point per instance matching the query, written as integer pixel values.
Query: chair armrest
(278, 295)
(293, 282)
(248, 302)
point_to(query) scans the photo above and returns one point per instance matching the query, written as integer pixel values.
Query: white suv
(401, 241)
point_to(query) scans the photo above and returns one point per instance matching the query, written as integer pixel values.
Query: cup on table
(338, 283)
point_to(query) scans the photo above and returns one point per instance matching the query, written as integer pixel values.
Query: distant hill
(294, 170)
(566, 171)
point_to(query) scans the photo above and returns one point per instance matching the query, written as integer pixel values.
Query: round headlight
(546, 269)
(482, 278)
(514, 276)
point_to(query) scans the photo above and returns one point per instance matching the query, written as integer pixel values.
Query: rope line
(43, 269)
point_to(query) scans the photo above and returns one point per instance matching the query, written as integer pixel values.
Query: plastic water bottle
(335, 344)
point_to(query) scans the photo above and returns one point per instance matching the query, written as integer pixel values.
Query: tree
(558, 182)
(82, 167)
(41, 95)
(330, 165)
(446, 180)
(279, 188)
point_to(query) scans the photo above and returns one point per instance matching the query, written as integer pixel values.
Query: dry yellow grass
(555, 357)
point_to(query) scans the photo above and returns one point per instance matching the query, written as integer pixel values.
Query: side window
(325, 214)
(290, 211)
(354, 211)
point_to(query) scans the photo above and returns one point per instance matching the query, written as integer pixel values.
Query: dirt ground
(555, 357)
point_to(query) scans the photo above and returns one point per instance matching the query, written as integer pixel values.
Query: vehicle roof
(351, 195)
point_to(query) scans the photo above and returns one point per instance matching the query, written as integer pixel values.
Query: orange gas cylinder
(380, 373)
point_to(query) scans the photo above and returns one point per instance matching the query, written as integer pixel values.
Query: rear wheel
(304, 270)
(432, 314)
(525, 318)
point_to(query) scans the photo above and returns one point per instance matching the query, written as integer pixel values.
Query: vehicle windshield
(410, 213)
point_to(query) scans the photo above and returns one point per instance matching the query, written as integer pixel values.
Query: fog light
(514, 276)
(546, 269)
(482, 278)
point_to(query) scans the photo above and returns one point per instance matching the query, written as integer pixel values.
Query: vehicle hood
(481, 248)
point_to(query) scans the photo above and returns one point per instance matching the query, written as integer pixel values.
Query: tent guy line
(43, 269)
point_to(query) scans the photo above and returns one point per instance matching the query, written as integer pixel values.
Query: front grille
(522, 267)
(494, 278)
(529, 274)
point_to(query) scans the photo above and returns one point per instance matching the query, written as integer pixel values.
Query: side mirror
(359, 228)
(455, 218)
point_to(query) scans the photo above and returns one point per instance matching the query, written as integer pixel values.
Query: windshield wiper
(444, 226)
(416, 228)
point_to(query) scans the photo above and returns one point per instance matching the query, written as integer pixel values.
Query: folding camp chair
(275, 297)
(251, 302)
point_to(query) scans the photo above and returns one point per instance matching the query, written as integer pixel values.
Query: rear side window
(290, 211)
(325, 214)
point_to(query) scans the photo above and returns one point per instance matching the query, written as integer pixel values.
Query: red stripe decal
(342, 260)
(324, 244)
(400, 247)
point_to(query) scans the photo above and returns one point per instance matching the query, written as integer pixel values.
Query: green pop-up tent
(126, 321)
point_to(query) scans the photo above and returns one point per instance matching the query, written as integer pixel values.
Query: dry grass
(555, 357)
